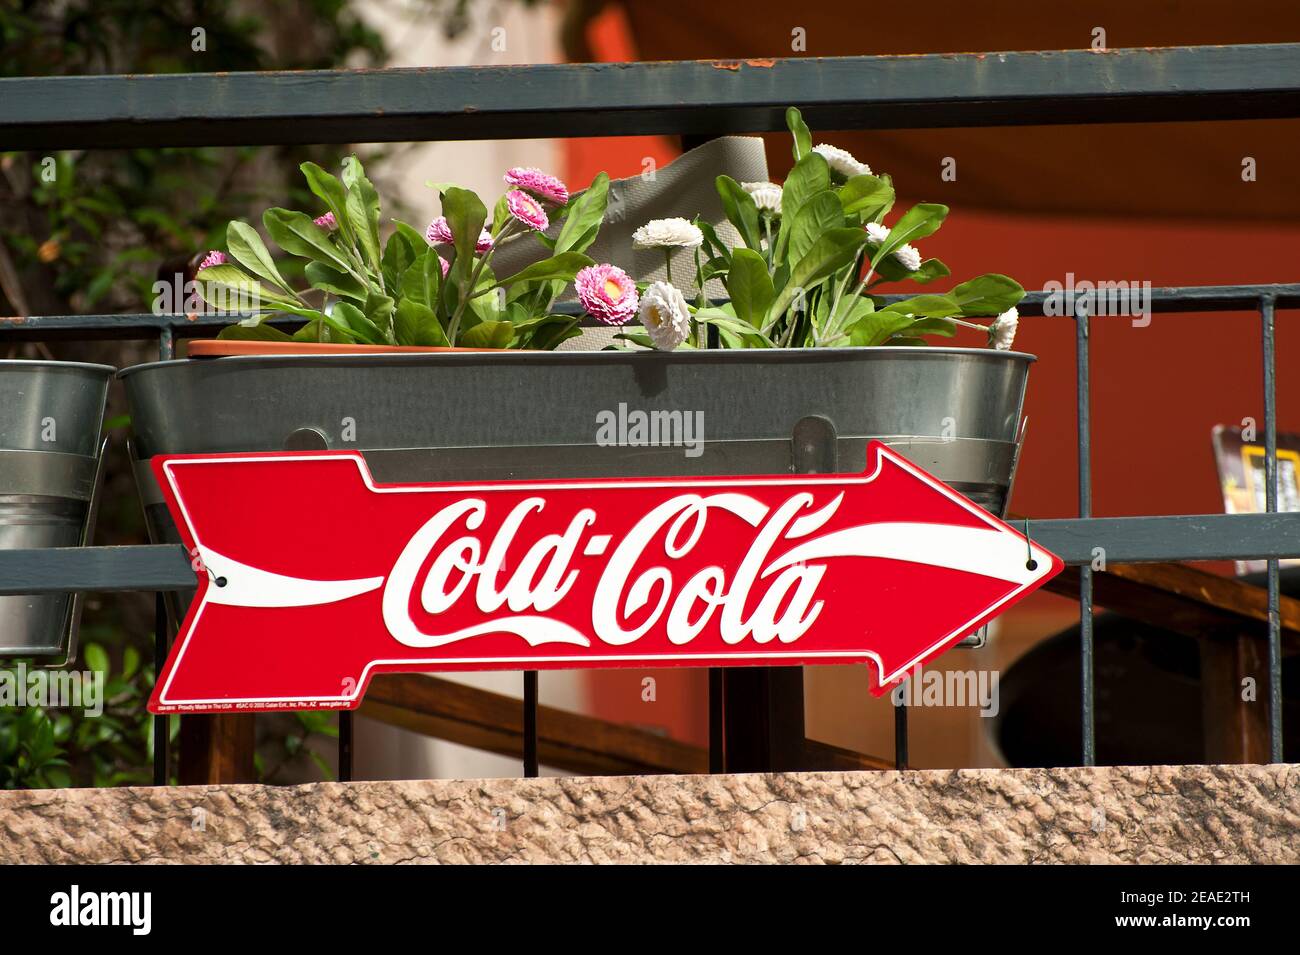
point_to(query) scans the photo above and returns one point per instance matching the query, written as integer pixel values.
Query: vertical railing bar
(161, 722)
(900, 728)
(1087, 686)
(161, 728)
(1267, 318)
(716, 734)
(530, 724)
(345, 746)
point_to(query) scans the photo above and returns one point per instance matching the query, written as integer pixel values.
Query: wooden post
(1236, 729)
(217, 749)
(763, 721)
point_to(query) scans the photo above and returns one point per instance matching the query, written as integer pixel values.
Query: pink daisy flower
(439, 233)
(327, 222)
(213, 258)
(540, 184)
(607, 293)
(527, 210)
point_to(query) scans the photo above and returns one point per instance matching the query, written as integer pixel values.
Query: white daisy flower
(667, 234)
(905, 255)
(908, 257)
(1003, 331)
(766, 195)
(665, 315)
(841, 161)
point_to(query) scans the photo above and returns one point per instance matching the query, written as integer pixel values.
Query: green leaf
(743, 332)
(749, 286)
(96, 657)
(848, 312)
(500, 215)
(932, 326)
(130, 662)
(244, 286)
(875, 328)
(815, 217)
(921, 220)
(930, 270)
(866, 195)
(717, 249)
(319, 331)
(362, 207)
(298, 235)
(925, 306)
(483, 306)
(422, 280)
(328, 279)
(799, 131)
(990, 294)
(636, 338)
(809, 177)
(250, 252)
(378, 311)
(833, 251)
(396, 259)
(550, 331)
(413, 238)
(488, 335)
(740, 211)
(563, 267)
(254, 333)
(465, 217)
(415, 324)
(586, 213)
(350, 321)
(331, 192)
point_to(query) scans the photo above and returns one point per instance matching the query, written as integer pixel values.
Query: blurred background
(1164, 204)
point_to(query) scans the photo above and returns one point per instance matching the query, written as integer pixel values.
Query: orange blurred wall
(1156, 390)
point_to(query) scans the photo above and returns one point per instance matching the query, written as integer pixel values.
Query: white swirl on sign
(535, 630)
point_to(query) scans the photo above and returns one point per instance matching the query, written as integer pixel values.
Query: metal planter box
(484, 416)
(51, 414)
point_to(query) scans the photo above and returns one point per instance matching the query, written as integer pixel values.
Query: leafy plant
(405, 290)
(815, 248)
(45, 746)
(93, 230)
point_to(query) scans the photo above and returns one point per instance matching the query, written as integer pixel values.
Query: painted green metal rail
(676, 97)
(1126, 540)
(128, 325)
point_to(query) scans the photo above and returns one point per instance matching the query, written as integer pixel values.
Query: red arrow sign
(312, 577)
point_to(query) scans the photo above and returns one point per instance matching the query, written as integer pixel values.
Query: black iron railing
(691, 98)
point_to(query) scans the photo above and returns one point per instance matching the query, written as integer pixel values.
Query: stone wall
(1130, 814)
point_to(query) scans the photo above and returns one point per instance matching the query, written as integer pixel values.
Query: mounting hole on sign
(1030, 564)
(220, 581)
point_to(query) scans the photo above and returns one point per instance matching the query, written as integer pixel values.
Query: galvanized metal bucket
(483, 416)
(51, 455)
